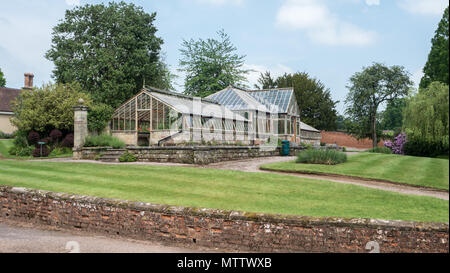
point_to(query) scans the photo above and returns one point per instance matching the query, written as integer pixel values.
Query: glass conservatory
(157, 117)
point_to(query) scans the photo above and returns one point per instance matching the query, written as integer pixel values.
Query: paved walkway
(20, 237)
(252, 165)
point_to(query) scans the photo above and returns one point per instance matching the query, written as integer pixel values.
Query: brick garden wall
(219, 229)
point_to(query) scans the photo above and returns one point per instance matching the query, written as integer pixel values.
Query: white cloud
(221, 2)
(275, 71)
(320, 25)
(73, 2)
(417, 77)
(373, 2)
(424, 7)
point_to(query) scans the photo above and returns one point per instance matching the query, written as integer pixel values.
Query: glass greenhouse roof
(277, 100)
(235, 99)
(196, 106)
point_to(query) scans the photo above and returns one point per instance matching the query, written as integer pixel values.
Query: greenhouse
(157, 117)
(274, 112)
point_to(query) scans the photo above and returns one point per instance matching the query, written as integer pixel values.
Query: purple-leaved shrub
(397, 145)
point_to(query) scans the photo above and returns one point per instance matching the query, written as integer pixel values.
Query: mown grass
(220, 189)
(6, 144)
(419, 171)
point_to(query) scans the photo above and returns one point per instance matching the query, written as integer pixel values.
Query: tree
(427, 114)
(436, 68)
(211, 65)
(2, 79)
(110, 50)
(47, 108)
(314, 100)
(266, 81)
(392, 117)
(369, 89)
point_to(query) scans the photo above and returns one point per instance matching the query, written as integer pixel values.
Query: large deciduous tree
(2, 79)
(314, 100)
(211, 65)
(369, 89)
(436, 68)
(110, 50)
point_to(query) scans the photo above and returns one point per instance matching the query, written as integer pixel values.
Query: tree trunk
(374, 132)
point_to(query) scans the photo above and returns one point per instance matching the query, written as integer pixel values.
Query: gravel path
(252, 165)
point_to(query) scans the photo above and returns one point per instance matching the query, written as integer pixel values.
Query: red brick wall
(345, 140)
(219, 229)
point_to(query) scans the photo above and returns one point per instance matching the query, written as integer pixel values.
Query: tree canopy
(314, 100)
(427, 114)
(392, 116)
(51, 107)
(369, 89)
(110, 50)
(211, 65)
(436, 68)
(2, 79)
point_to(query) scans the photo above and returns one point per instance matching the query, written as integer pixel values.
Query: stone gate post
(80, 128)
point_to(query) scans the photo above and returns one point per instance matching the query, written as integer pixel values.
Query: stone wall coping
(232, 215)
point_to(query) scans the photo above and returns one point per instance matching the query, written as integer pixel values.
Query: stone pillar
(80, 128)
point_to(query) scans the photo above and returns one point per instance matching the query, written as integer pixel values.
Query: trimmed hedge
(104, 141)
(420, 147)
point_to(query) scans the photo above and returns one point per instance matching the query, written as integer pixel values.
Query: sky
(329, 39)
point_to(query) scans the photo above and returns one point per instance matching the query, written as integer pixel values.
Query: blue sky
(331, 40)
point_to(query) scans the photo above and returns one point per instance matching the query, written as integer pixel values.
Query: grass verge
(417, 171)
(220, 189)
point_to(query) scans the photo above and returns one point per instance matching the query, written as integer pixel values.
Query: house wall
(128, 138)
(212, 228)
(309, 137)
(5, 124)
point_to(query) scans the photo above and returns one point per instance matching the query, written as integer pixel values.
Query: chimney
(28, 81)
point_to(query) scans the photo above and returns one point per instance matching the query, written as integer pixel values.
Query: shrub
(323, 144)
(104, 141)
(60, 151)
(344, 149)
(68, 141)
(306, 146)
(33, 138)
(380, 150)
(397, 145)
(6, 135)
(416, 146)
(21, 151)
(127, 157)
(45, 151)
(327, 157)
(55, 135)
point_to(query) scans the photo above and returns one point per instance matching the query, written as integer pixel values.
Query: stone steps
(112, 155)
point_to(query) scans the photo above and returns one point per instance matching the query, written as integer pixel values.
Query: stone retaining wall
(189, 155)
(220, 229)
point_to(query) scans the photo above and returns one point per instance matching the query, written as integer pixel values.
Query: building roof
(274, 100)
(7, 95)
(237, 99)
(306, 127)
(193, 105)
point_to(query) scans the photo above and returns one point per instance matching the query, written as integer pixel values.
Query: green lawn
(5, 144)
(420, 171)
(220, 189)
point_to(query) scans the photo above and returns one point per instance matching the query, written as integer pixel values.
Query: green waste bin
(285, 148)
